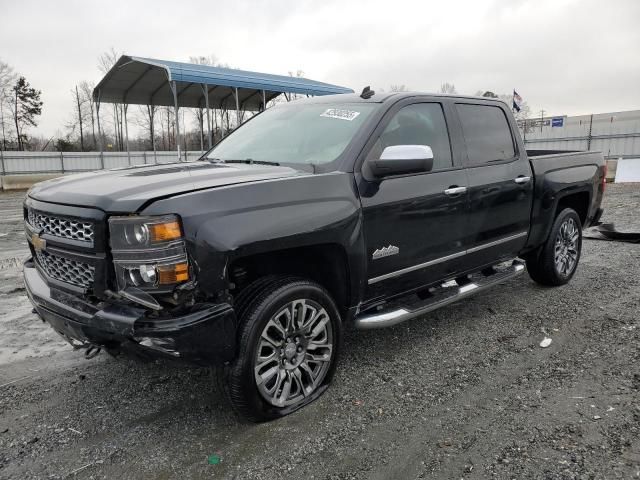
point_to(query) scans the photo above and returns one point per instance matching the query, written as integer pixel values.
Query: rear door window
(486, 133)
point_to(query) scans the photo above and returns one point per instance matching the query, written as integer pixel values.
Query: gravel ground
(466, 392)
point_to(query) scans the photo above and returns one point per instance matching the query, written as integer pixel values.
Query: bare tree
(105, 62)
(447, 87)
(200, 119)
(398, 88)
(108, 59)
(7, 75)
(147, 120)
(86, 90)
(166, 120)
(7, 80)
(212, 61)
(79, 104)
(151, 115)
(293, 96)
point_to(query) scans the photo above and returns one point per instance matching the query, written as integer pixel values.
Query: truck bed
(548, 161)
(569, 172)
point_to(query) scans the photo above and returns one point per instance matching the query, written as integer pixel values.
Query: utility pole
(541, 119)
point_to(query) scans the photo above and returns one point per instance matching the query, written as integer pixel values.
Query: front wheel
(290, 332)
(558, 258)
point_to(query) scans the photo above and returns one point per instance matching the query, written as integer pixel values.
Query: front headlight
(142, 232)
(148, 252)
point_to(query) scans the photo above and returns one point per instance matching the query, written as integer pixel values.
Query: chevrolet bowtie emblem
(39, 244)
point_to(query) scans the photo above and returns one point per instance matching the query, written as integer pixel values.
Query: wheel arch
(326, 264)
(547, 209)
(578, 201)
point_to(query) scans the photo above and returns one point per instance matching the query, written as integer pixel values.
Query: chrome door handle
(521, 179)
(455, 190)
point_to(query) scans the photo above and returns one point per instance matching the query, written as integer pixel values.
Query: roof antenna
(367, 93)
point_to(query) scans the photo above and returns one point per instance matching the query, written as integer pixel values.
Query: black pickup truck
(315, 215)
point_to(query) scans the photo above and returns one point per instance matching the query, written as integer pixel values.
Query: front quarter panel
(226, 223)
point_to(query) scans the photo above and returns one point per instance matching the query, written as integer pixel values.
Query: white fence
(12, 163)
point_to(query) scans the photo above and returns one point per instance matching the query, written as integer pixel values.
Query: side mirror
(402, 159)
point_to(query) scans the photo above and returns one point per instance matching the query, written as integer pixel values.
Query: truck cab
(478, 192)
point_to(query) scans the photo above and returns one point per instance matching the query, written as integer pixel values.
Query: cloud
(566, 56)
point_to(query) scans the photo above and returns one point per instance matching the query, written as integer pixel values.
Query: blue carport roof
(145, 81)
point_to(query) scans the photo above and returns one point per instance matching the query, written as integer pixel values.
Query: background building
(615, 134)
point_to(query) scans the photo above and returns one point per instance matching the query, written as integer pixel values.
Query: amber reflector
(162, 232)
(170, 274)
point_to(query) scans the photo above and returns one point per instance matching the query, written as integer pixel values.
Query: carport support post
(100, 140)
(205, 92)
(264, 101)
(126, 131)
(174, 89)
(237, 108)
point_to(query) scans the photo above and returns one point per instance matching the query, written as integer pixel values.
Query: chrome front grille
(62, 227)
(66, 270)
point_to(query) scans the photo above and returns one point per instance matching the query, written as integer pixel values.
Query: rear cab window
(486, 133)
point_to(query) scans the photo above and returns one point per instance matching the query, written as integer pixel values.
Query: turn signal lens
(171, 274)
(163, 232)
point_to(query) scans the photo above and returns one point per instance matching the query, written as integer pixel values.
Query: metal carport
(147, 81)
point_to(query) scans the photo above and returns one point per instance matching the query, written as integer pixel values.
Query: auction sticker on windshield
(340, 113)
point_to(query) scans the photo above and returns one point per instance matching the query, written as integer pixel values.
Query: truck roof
(386, 96)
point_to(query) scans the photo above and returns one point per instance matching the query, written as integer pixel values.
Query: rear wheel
(289, 334)
(558, 258)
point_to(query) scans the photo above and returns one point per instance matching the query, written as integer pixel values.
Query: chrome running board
(439, 296)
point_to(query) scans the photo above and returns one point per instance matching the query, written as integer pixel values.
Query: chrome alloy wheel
(566, 247)
(294, 353)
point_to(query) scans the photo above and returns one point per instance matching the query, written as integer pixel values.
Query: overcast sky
(566, 56)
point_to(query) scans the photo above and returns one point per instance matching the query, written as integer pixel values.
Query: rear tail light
(604, 175)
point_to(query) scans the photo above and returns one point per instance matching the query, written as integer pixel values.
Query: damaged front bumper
(205, 336)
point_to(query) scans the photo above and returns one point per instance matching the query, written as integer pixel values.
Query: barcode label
(339, 113)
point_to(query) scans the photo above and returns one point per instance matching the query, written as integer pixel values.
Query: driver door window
(418, 124)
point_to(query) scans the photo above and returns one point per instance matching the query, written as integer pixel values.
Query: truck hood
(128, 189)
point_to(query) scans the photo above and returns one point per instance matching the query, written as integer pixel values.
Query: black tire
(543, 267)
(257, 305)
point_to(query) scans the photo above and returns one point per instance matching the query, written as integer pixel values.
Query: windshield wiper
(248, 161)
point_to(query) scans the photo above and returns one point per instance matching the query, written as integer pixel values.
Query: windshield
(312, 134)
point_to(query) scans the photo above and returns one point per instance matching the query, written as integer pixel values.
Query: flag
(517, 101)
